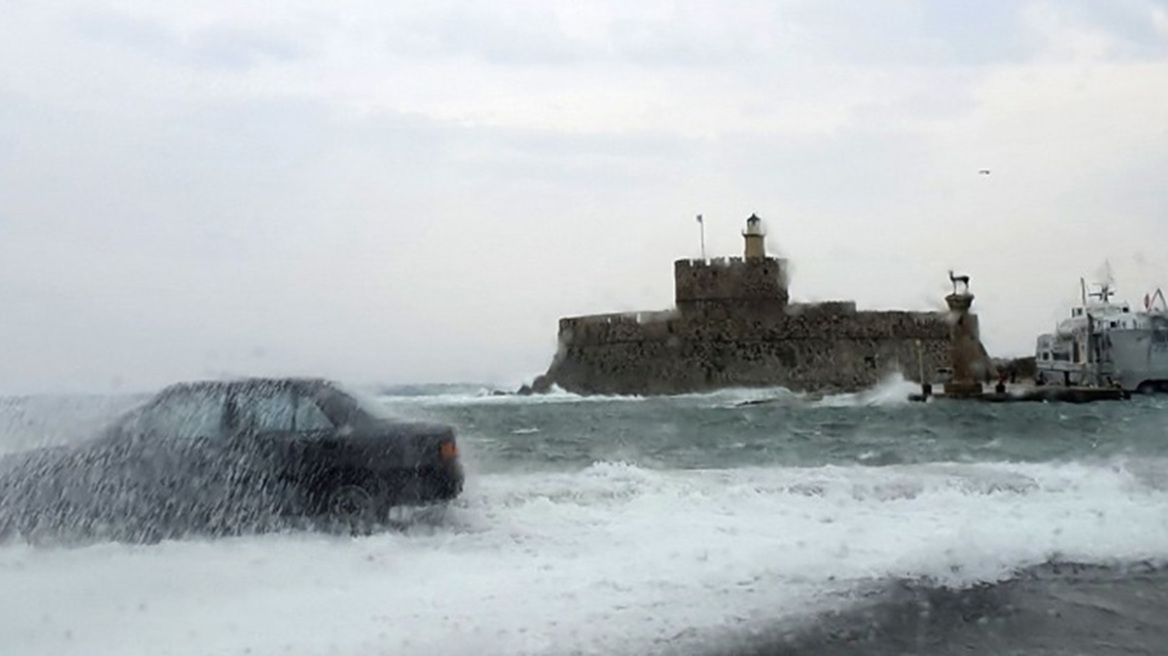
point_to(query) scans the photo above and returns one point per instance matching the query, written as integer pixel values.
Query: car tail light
(449, 450)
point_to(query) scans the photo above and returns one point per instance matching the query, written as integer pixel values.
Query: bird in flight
(984, 172)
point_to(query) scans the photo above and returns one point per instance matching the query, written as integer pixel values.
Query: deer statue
(959, 280)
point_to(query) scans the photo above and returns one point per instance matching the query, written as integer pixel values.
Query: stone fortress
(733, 325)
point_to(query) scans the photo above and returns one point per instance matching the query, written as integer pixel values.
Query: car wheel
(352, 508)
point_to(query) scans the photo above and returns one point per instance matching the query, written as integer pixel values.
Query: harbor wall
(827, 346)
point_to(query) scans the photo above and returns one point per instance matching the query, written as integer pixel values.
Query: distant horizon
(502, 382)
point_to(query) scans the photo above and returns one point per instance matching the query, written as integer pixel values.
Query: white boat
(1104, 343)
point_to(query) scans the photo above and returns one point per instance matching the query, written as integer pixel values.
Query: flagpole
(702, 232)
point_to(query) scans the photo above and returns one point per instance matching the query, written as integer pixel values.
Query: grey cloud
(878, 32)
(475, 30)
(963, 33)
(1129, 21)
(235, 48)
(873, 166)
(604, 161)
(534, 37)
(887, 32)
(211, 47)
(185, 181)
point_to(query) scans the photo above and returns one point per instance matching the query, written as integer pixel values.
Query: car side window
(279, 410)
(185, 414)
(266, 410)
(309, 416)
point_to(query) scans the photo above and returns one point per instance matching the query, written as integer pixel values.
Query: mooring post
(926, 386)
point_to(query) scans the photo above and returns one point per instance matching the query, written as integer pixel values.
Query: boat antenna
(1160, 295)
(1083, 291)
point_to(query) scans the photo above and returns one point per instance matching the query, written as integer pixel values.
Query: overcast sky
(417, 191)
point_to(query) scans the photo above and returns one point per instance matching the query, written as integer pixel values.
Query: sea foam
(613, 558)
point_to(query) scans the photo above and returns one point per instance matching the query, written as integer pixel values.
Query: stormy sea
(740, 522)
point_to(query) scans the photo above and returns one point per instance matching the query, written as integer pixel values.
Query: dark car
(232, 456)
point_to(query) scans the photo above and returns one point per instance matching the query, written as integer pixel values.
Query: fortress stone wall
(809, 349)
(733, 326)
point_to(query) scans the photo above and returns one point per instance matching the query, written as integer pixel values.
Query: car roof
(251, 382)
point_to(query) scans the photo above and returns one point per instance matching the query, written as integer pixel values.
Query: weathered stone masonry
(734, 327)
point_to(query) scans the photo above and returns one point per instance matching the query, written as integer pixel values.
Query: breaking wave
(613, 558)
(893, 390)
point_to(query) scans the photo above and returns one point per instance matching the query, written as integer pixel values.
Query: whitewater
(702, 524)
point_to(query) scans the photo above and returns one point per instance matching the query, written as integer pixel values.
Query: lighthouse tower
(754, 237)
(753, 286)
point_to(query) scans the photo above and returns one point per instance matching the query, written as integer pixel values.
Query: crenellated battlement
(723, 261)
(730, 285)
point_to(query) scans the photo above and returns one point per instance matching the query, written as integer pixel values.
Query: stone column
(965, 350)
